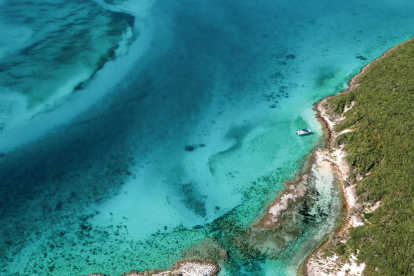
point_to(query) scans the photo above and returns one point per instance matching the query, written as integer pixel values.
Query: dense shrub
(382, 144)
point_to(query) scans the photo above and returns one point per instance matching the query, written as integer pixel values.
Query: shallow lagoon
(101, 180)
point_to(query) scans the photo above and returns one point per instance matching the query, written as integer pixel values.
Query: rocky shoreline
(181, 268)
(317, 263)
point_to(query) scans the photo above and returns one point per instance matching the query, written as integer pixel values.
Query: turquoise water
(133, 130)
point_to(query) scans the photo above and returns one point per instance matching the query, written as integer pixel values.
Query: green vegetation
(381, 150)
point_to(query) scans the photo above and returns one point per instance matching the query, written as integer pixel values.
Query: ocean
(133, 133)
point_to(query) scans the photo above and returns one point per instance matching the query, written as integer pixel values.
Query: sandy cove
(317, 264)
(336, 156)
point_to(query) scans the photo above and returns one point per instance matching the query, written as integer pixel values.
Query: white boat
(304, 132)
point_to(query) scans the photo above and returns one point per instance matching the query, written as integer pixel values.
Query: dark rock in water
(189, 148)
(361, 57)
(291, 56)
(59, 206)
(202, 145)
(85, 227)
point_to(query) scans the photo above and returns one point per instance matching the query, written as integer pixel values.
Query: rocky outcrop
(183, 268)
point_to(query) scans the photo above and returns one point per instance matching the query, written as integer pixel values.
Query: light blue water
(99, 179)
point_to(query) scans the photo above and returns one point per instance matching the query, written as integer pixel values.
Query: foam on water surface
(189, 133)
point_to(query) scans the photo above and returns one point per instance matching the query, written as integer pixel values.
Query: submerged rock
(361, 57)
(189, 148)
(208, 250)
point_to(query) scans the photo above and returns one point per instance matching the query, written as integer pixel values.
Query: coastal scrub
(380, 153)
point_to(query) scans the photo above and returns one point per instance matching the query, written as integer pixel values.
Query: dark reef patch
(325, 74)
(193, 200)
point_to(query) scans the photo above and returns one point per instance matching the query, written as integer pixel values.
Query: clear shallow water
(101, 180)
